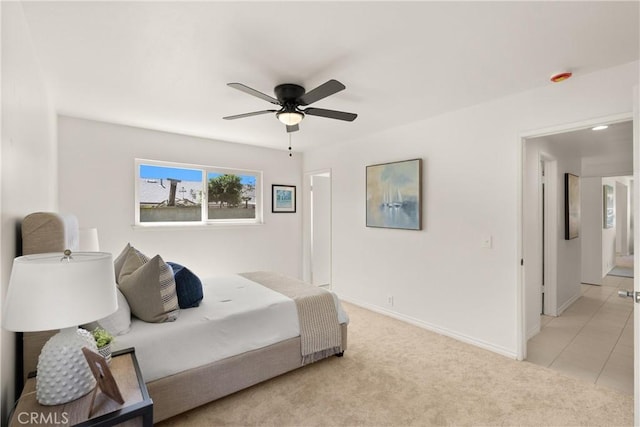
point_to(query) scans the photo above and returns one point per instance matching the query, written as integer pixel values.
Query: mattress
(236, 315)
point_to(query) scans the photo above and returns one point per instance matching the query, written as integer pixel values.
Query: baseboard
(566, 305)
(534, 331)
(433, 328)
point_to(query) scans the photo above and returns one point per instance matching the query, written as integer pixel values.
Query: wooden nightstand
(136, 410)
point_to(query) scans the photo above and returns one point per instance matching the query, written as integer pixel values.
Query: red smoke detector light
(560, 77)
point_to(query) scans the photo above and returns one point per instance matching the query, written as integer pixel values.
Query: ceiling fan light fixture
(290, 97)
(290, 118)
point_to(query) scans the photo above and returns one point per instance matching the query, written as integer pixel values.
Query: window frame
(204, 214)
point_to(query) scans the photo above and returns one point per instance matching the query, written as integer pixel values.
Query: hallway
(592, 339)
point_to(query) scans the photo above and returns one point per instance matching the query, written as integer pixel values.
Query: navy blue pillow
(188, 286)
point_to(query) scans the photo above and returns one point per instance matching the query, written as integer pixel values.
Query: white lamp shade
(89, 240)
(49, 292)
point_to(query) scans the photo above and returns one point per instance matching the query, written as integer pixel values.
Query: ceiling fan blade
(250, 91)
(322, 91)
(293, 128)
(331, 114)
(255, 113)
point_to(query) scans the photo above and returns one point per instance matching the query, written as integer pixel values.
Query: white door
(635, 293)
(321, 229)
(636, 257)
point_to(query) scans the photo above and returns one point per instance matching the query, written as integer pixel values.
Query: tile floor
(592, 339)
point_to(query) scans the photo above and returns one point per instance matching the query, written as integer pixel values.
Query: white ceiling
(617, 138)
(612, 146)
(165, 65)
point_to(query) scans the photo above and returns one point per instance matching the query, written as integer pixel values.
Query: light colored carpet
(396, 374)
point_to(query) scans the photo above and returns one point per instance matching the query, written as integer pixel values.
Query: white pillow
(119, 322)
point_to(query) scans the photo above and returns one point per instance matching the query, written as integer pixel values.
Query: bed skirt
(181, 392)
(189, 389)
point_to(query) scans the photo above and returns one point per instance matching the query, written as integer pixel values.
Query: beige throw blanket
(320, 332)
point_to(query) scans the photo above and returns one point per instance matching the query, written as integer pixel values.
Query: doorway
(318, 252)
(563, 337)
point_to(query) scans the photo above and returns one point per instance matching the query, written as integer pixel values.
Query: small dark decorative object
(283, 198)
(571, 206)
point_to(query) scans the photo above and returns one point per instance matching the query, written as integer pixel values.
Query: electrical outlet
(390, 300)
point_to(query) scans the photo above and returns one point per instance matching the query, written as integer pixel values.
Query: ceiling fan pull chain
(290, 155)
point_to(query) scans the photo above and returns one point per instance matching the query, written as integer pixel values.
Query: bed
(249, 327)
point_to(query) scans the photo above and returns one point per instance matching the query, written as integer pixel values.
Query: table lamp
(89, 240)
(61, 291)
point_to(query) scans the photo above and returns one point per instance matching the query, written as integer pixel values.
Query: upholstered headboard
(44, 232)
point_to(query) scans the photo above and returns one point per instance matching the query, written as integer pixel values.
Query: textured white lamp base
(63, 372)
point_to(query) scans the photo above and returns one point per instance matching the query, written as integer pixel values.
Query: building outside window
(173, 193)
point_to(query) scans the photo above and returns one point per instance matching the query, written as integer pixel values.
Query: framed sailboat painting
(394, 193)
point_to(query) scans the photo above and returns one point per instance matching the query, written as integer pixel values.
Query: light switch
(487, 242)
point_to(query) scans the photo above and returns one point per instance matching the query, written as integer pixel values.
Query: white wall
(321, 250)
(622, 218)
(591, 232)
(617, 162)
(568, 252)
(624, 214)
(97, 184)
(618, 239)
(532, 225)
(441, 277)
(28, 160)
(609, 236)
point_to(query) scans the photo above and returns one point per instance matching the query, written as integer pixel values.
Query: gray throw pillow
(119, 261)
(149, 288)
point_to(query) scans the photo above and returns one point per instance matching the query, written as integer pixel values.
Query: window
(231, 195)
(173, 193)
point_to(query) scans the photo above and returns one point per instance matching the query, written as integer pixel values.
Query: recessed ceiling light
(600, 127)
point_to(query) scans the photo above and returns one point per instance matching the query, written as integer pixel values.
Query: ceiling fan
(290, 97)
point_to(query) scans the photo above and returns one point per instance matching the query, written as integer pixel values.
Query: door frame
(636, 253)
(307, 225)
(541, 265)
(521, 340)
(550, 259)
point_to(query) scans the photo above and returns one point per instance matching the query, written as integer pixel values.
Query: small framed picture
(106, 383)
(283, 198)
(571, 206)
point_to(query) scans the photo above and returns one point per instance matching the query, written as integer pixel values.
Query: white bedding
(235, 316)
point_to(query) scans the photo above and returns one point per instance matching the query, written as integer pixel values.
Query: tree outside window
(173, 193)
